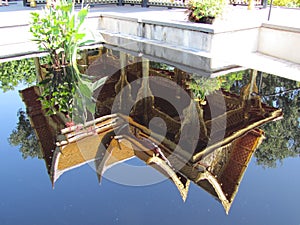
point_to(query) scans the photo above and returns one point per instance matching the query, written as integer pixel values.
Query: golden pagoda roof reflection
(219, 172)
(215, 160)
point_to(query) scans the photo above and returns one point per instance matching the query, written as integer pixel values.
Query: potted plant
(204, 11)
(59, 30)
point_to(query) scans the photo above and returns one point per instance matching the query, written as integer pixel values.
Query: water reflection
(25, 137)
(283, 139)
(187, 127)
(13, 73)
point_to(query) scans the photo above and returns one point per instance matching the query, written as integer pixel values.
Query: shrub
(287, 3)
(199, 9)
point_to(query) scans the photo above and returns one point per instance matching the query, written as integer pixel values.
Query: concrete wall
(198, 46)
(170, 33)
(280, 42)
(178, 36)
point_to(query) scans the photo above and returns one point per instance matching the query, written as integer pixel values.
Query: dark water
(139, 194)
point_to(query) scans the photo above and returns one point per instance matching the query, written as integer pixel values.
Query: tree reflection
(203, 86)
(234, 81)
(282, 137)
(24, 137)
(16, 72)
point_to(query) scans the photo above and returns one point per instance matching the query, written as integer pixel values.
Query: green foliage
(24, 137)
(60, 31)
(202, 86)
(283, 136)
(198, 9)
(58, 90)
(230, 79)
(14, 73)
(287, 3)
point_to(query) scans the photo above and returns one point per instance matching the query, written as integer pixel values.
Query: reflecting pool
(156, 144)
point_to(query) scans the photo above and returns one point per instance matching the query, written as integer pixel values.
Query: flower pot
(204, 19)
(207, 20)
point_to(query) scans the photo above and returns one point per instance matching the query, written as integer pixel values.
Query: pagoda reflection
(215, 158)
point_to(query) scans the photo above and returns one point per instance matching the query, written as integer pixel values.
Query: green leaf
(82, 14)
(84, 90)
(79, 36)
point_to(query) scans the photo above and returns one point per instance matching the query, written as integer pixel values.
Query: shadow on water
(187, 127)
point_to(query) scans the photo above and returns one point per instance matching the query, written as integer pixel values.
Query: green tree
(25, 137)
(16, 72)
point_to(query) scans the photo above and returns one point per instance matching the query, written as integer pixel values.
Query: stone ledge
(281, 27)
(174, 24)
(189, 59)
(280, 42)
(269, 64)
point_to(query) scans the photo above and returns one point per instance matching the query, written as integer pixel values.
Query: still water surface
(267, 194)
